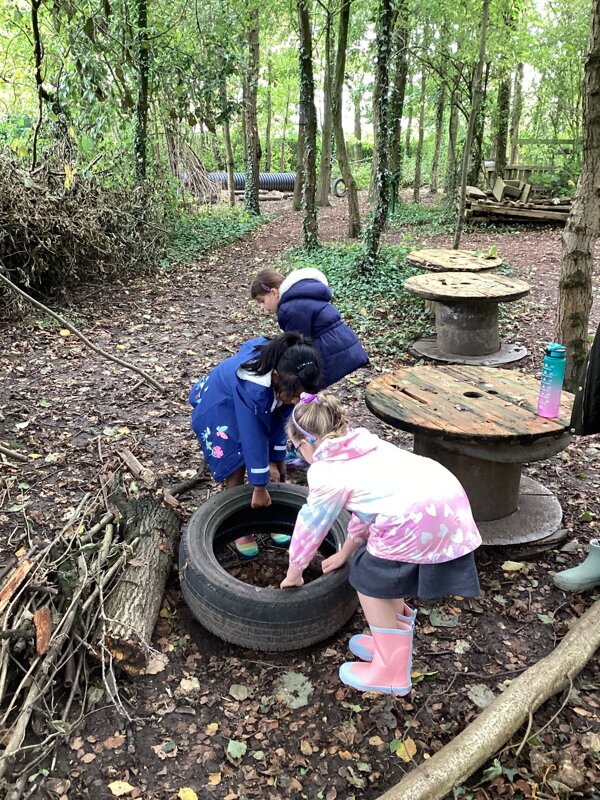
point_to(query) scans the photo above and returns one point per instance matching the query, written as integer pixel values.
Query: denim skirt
(390, 580)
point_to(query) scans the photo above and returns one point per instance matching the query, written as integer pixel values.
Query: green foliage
(385, 316)
(431, 220)
(190, 235)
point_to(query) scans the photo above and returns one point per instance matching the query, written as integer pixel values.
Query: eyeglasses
(291, 447)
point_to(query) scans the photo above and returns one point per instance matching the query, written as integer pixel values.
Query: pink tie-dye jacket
(405, 507)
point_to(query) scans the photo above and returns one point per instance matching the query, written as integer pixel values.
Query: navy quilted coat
(305, 307)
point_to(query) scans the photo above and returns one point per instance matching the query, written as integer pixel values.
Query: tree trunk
(308, 126)
(227, 140)
(338, 129)
(381, 88)
(132, 609)
(327, 130)
(397, 100)
(583, 224)
(453, 764)
(419, 153)
(476, 158)
(451, 181)
(357, 127)
(517, 110)
(439, 124)
(299, 182)
(140, 139)
(502, 120)
(471, 125)
(407, 142)
(269, 110)
(282, 158)
(251, 204)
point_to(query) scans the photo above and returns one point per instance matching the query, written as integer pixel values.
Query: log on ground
(131, 611)
(454, 763)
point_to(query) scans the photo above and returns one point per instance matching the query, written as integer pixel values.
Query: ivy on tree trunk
(583, 224)
(308, 127)
(374, 230)
(251, 204)
(140, 142)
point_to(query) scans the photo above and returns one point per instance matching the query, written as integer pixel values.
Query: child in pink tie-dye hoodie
(411, 534)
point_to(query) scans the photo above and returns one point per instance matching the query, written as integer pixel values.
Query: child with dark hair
(411, 534)
(240, 411)
(302, 302)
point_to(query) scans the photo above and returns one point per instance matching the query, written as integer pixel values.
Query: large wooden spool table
(439, 259)
(482, 424)
(466, 316)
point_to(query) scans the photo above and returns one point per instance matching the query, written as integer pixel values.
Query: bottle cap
(555, 350)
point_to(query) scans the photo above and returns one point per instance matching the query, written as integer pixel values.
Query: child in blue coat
(302, 302)
(241, 408)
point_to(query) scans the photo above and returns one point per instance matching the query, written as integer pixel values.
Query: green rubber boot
(585, 576)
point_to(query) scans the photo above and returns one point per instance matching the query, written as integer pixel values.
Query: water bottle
(553, 375)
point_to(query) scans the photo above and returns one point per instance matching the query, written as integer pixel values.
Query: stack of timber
(509, 202)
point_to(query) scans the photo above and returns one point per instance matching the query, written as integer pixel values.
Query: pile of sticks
(76, 608)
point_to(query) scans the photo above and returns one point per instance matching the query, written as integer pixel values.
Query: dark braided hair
(297, 363)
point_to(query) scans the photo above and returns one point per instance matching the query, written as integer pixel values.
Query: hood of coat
(306, 274)
(354, 444)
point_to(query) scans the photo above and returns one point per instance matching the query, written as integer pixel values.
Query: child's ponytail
(296, 361)
(318, 417)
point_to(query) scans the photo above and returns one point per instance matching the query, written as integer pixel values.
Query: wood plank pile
(509, 201)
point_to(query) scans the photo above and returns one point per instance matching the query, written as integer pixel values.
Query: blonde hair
(266, 280)
(323, 417)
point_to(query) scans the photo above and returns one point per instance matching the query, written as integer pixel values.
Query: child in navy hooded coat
(303, 304)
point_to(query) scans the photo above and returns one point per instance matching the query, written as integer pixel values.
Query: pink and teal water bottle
(553, 375)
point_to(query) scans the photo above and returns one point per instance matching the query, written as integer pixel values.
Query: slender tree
(308, 126)
(517, 110)
(140, 142)
(373, 232)
(583, 224)
(227, 139)
(439, 124)
(251, 203)
(269, 111)
(327, 129)
(419, 152)
(338, 129)
(476, 98)
(400, 72)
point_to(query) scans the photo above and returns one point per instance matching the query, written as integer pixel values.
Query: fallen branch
(453, 764)
(83, 338)
(6, 451)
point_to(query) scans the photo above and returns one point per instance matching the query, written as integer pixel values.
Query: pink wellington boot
(389, 672)
(361, 644)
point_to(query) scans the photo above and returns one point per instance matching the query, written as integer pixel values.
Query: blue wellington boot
(585, 576)
(361, 644)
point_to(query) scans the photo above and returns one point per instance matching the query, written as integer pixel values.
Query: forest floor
(61, 400)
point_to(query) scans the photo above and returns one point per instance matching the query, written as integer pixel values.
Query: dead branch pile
(75, 609)
(189, 170)
(58, 229)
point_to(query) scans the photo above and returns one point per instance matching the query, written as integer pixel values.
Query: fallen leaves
(405, 749)
(120, 788)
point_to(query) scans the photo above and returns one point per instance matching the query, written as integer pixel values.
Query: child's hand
(260, 497)
(293, 578)
(277, 471)
(335, 561)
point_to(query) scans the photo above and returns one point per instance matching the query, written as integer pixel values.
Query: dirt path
(73, 409)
